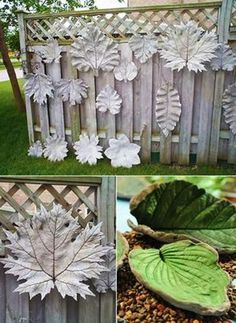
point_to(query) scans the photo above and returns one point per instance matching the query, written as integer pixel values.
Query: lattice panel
(119, 25)
(26, 199)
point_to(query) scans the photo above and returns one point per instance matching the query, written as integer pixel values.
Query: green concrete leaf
(178, 210)
(122, 248)
(185, 274)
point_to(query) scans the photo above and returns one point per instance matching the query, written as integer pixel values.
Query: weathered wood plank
(146, 110)
(55, 308)
(89, 104)
(36, 309)
(72, 308)
(216, 116)
(89, 309)
(2, 295)
(186, 117)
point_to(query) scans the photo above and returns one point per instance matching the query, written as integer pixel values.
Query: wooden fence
(201, 136)
(92, 199)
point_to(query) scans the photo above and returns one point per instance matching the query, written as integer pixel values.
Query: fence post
(223, 34)
(25, 64)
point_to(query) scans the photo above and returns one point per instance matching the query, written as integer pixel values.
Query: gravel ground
(136, 304)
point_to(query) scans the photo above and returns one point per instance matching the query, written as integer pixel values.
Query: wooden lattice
(118, 25)
(25, 198)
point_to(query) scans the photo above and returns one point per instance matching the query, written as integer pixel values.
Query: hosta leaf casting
(94, 51)
(185, 274)
(122, 249)
(126, 71)
(36, 150)
(107, 279)
(188, 45)
(51, 52)
(87, 150)
(168, 108)
(225, 58)
(39, 86)
(55, 148)
(229, 106)
(51, 250)
(143, 46)
(73, 91)
(179, 209)
(122, 152)
(109, 100)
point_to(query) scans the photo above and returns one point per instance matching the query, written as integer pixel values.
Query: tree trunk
(11, 72)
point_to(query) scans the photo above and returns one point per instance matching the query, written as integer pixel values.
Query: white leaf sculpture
(55, 148)
(73, 91)
(168, 108)
(126, 71)
(87, 149)
(39, 86)
(229, 106)
(51, 52)
(94, 51)
(51, 250)
(225, 58)
(143, 46)
(188, 45)
(36, 150)
(108, 100)
(107, 279)
(122, 152)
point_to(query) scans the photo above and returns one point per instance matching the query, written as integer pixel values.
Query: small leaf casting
(39, 86)
(73, 91)
(109, 100)
(87, 150)
(36, 150)
(126, 71)
(225, 58)
(51, 52)
(55, 148)
(229, 106)
(143, 46)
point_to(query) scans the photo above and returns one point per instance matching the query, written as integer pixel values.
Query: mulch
(136, 304)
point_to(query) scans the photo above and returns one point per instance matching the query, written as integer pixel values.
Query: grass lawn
(15, 64)
(14, 146)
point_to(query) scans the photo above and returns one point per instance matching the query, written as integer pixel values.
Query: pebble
(136, 304)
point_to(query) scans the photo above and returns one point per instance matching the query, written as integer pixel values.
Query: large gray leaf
(168, 108)
(225, 58)
(185, 274)
(73, 91)
(94, 51)
(188, 45)
(39, 86)
(107, 279)
(143, 46)
(51, 250)
(180, 210)
(229, 106)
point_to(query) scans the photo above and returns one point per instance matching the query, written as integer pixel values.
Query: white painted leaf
(51, 250)
(122, 152)
(73, 91)
(225, 58)
(229, 106)
(87, 149)
(108, 100)
(107, 279)
(126, 71)
(55, 148)
(39, 86)
(188, 45)
(168, 108)
(51, 52)
(36, 150)
(94, 51)
(143, 46)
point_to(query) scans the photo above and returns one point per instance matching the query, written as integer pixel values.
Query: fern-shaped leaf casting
(51, 250)
(143, 46)
(188, 45)
(229, 106)
(95, 51)
(225, 58)
(39, 86)
(73, 91)
(168, 108)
